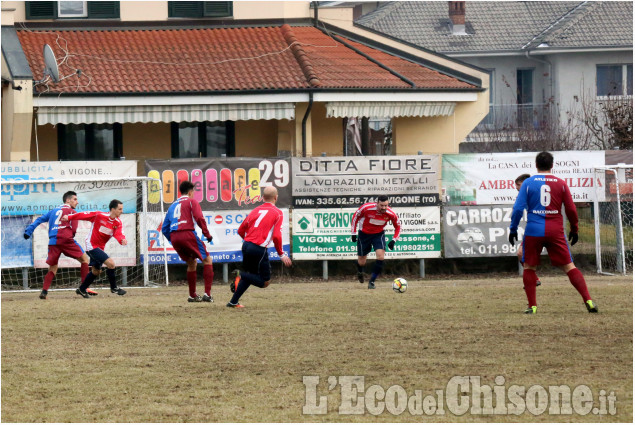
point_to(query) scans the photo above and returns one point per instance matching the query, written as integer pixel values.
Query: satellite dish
(50, 64)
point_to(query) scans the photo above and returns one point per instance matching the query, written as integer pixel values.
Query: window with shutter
(185, 9)
(103, 9)
(41, 9)
(217, 8)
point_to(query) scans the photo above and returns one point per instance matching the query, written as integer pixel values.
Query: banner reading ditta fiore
(484, 179)
(338, 182)
(325, 234)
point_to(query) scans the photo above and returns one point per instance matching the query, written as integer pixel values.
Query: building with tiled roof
(156, 79)
(538, 53)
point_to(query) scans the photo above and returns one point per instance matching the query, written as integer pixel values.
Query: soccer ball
(400, 285)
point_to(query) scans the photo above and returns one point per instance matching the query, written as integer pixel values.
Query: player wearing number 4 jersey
(178, 228)
(543, 196)
(61, 240)
(261, 227)
(104, 227)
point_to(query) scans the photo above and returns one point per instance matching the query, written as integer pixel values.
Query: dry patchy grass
(152, 357)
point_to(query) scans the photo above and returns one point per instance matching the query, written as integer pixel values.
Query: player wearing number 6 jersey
(261, 227)
(61, 240)
(178, 228)
(543, 196)
(371, 219)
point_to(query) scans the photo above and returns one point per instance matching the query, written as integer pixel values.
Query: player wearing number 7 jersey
(178, 228)
(261, 227)
(543, 195)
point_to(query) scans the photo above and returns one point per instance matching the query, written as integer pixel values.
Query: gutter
(306, 116)
(546, 62)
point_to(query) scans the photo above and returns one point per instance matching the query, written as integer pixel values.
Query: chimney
(457, 17)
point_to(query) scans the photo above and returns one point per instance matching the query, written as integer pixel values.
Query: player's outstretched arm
(31, 227)
(86, 215)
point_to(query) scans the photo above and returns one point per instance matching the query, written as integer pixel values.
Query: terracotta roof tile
(223, 59)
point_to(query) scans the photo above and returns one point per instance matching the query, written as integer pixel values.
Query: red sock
(529, 280)
(191, 281)
(208, 276)
(578, 282)
(84, 270)
(48, 279)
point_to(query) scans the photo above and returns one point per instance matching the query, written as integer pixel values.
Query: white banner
(485, 179)
(326, 234)
(226, 246)
(41, 198)
(124, 255)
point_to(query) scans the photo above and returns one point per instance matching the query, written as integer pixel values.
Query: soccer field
(152, 357)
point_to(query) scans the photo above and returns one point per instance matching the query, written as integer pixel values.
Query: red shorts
(188, 245)
(557, 248)
(68, 247)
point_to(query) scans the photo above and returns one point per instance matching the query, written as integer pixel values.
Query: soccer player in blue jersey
(519, 181)
(543, 196)
(61, 240)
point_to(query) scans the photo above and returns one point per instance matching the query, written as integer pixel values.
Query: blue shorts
(256, 260)
(368, 241)
(97, 257)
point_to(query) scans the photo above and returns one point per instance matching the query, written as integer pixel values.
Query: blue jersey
(57, 229)
(543, 196)
(182, 215)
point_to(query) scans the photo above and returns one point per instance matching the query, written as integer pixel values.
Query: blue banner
(16, 251)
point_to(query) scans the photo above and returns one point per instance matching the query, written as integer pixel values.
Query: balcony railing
(515, 116)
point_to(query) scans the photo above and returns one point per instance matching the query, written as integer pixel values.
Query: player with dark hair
(178, 228)
(372, 217)
(543, 196)
(519, 181)
(262, 226)
(105, 226)
(60, 240)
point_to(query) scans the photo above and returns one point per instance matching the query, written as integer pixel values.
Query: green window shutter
(185, 9)
(217, 8)
(103, 9)
(41, 9)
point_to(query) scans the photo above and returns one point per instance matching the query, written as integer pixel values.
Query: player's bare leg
(377, 268)
(361, 263)
(191, 280)
(208, 278)
(577, 280)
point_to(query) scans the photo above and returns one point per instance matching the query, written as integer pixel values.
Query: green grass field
(152, 357)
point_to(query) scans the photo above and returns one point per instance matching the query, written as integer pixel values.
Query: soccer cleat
(207, 298)
(84, 294)
(91, 292)
(230, 305)
(531, 310)
(591, 306)
(234, 284)
(196, 299)
(371, 284)
(360, 277)
(117, 290)
(538, 282)
(43, 294)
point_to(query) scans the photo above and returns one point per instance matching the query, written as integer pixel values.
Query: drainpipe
(315, 13)
(546, 62)
(306, 116)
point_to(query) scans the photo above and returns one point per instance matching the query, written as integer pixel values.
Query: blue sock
(111, 278)
(90, 278)
(377, 268)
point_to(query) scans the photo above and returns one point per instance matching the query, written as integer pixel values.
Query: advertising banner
(486, 179)
(226, 246)
(123, 255)
(223, 183)
(479, 231)
(29, 199)
(16, 251)
(320, 234)
(339, 182)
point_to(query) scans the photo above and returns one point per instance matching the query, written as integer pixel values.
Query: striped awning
(388, 109)
(164, 113)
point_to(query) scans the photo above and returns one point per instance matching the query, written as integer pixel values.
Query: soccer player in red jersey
(60, 240)
(371, 219)
(261, 227)
(519, 181)
(543, 196)
(178, 228)
(105, 226)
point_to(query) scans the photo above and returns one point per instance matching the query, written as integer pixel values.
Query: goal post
(613, 219)
(23, 262)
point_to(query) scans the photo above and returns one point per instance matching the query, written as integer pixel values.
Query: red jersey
(102, 230)
(182, 215)
(372, 221)
(263, 225)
